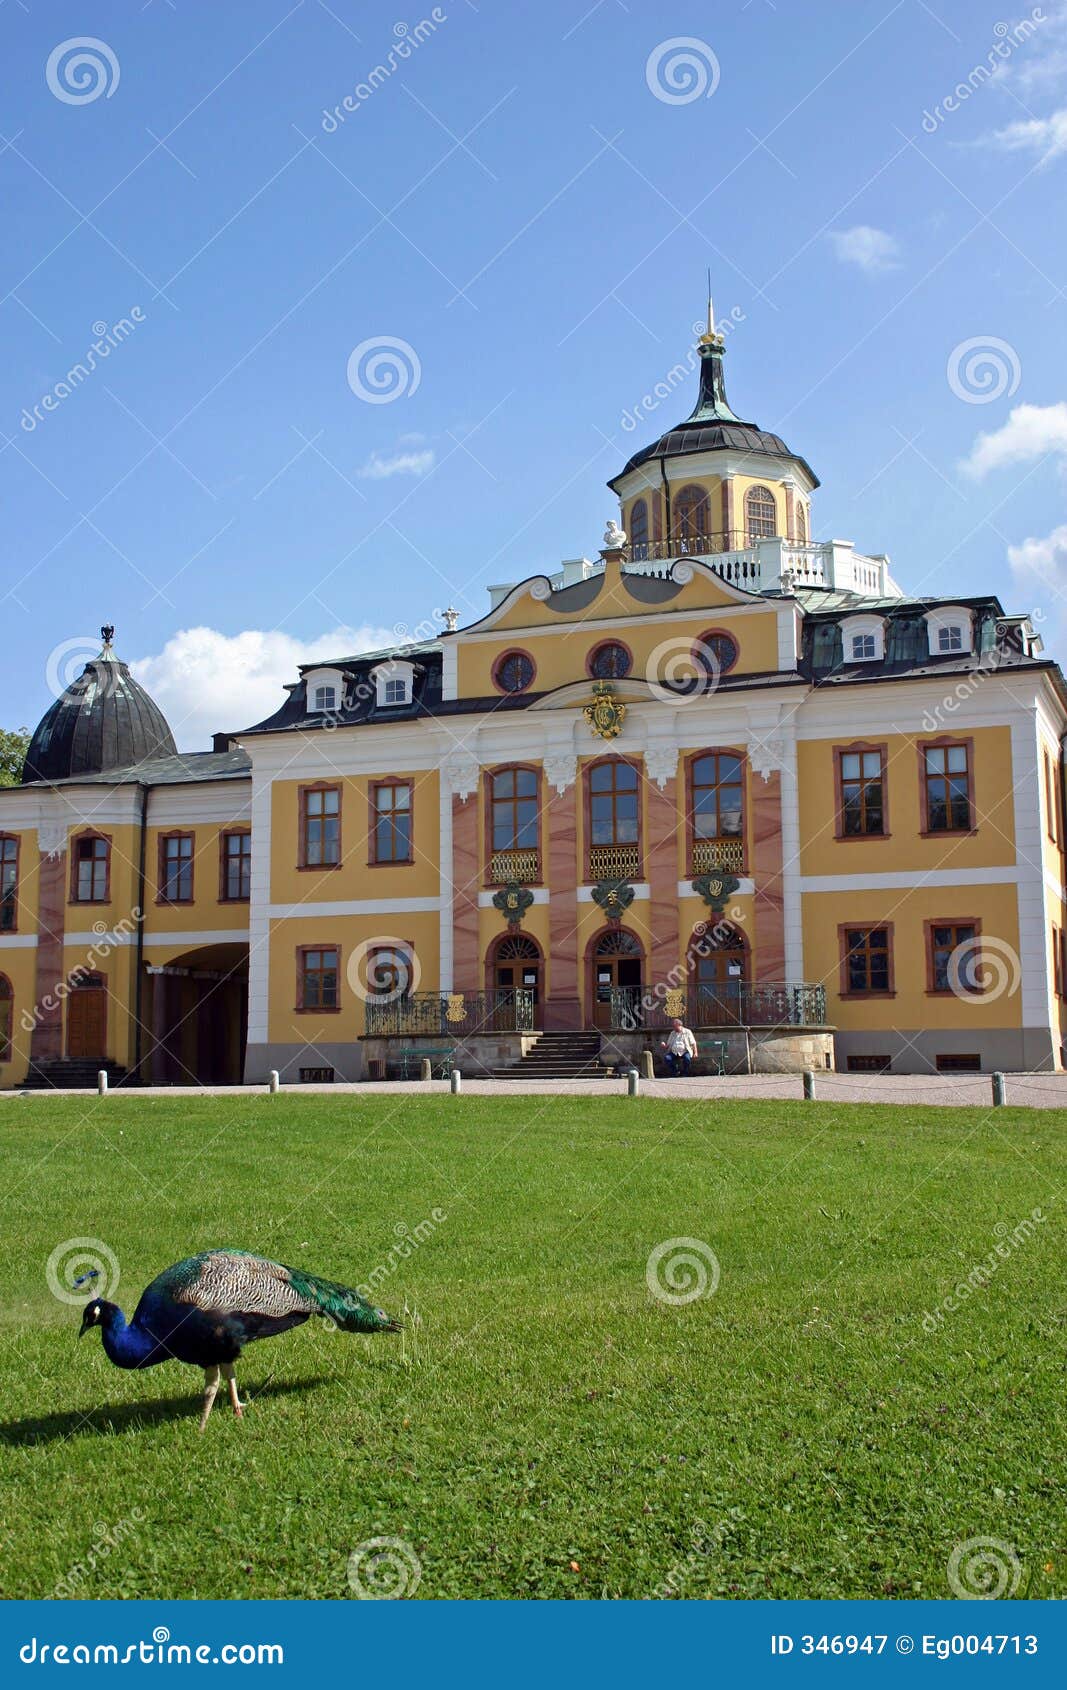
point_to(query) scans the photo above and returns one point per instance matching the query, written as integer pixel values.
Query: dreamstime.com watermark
(982, 369)
(155, 1651)
(409, 1239)
(106, 1539)
(108, 337)
(384, 368)
(82, 70)
(408, 39)
(108, 938)
(681, 1270)
(678, 375)
(1010, 1239)
(81, 1268)
(668, 994)
(681, 70)
(705, 1541)
(383, 1569)
(984, 1569)
(1007, 39)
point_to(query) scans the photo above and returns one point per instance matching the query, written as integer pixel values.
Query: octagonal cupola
(715, 482)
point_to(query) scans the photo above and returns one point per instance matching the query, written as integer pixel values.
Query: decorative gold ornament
(455, 1010)
(605, 714)
(674, 1003)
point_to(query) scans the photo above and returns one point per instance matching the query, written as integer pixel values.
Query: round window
(610, 662)
(514, 671)
(716, 653)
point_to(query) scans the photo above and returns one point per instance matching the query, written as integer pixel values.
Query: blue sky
(513, 200)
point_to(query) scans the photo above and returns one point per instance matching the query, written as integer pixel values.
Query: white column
(445, 859)
(1036, 990)
(259, 903)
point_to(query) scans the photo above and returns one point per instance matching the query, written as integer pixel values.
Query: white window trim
(853, 626)
(325, 677)
(394, 670)
(949, 616)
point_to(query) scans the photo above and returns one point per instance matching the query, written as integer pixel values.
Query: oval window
(716, 653)
(610, 662)
(514, 671)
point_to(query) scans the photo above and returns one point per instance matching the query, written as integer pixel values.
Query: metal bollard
(999, 1094)
(809, 1084)
(101, 1082)
(633, 1083)
(456, 1082)
(274, 1083)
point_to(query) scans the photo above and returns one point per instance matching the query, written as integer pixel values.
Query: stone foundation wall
(749, 1050)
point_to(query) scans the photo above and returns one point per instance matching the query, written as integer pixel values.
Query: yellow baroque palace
(724, 771)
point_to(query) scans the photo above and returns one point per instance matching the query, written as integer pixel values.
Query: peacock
(205, 1309)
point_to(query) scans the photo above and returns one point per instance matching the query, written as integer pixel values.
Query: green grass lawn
(548, 1427)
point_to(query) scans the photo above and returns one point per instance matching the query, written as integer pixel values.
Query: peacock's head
(92, 1315)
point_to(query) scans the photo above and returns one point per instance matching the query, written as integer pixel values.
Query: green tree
(14, 744)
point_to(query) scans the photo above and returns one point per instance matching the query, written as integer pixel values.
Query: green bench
(712, 1053)
(442, 1060)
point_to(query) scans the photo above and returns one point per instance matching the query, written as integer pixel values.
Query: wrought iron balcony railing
(521, 865)
(732, 1004)
(451, 1015)
(727, 854)
(614, 862)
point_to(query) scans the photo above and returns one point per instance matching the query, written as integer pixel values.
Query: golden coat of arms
(605, 714)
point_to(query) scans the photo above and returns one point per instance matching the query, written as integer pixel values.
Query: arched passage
(195, 1016)
(515, 981)
(718, 972)
(616, 978)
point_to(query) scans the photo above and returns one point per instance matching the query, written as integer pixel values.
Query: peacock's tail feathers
(341, 1304)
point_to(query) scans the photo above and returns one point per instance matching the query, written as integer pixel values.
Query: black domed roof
(713, 426)
(103, 720)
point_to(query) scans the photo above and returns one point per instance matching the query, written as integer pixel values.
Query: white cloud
(1045, 136)
(1031, 431)
(1044, 558)
(206, 682)
(872, 250)
(1041, 46)
(379, 467)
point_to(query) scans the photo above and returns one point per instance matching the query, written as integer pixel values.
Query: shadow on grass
(133, 1416)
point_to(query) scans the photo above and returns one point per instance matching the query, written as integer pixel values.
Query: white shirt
(681, 1042)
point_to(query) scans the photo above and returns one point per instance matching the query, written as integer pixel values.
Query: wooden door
(87, 1019)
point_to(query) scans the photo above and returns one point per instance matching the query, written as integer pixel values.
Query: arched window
(9, 882)
(610, 661)
(717, 812)
(761, 520)
(513, 671)
(639, 530)
(90, 869)
(691, 522)
(513, 826)
(7, 1017)
(716, 653)
(614, 831)
(802, 525)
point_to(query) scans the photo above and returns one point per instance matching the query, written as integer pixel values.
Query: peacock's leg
(211, 1385)
(231, 1379)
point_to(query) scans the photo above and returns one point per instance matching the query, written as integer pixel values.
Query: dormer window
(863, 639)
(325, 690)
(393, 683)
(950, 631)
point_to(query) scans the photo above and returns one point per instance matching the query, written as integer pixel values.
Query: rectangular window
(325, 698)
(91, 870)
(953, 957)
(236, 867)
(950, 639)
(176, 868)
(391, 822)
(396, 692)
(390, 973)
(866, 966)
(947, 778)
(321, 843)
(955, 1064)
(862, 786)
(717, 810)
(9, 884)
(317, 978)
(864, 647)
(862, 1064)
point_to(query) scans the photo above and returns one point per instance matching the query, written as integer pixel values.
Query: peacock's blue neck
(125, 1345)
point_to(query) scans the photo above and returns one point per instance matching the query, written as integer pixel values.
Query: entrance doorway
(718, 976)
(87, 1018)
(617, 980)
(515, 984)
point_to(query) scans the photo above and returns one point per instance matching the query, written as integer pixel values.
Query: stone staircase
(72, 1074)
(558, 1056)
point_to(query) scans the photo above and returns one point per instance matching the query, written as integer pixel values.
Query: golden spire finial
(710, 337)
